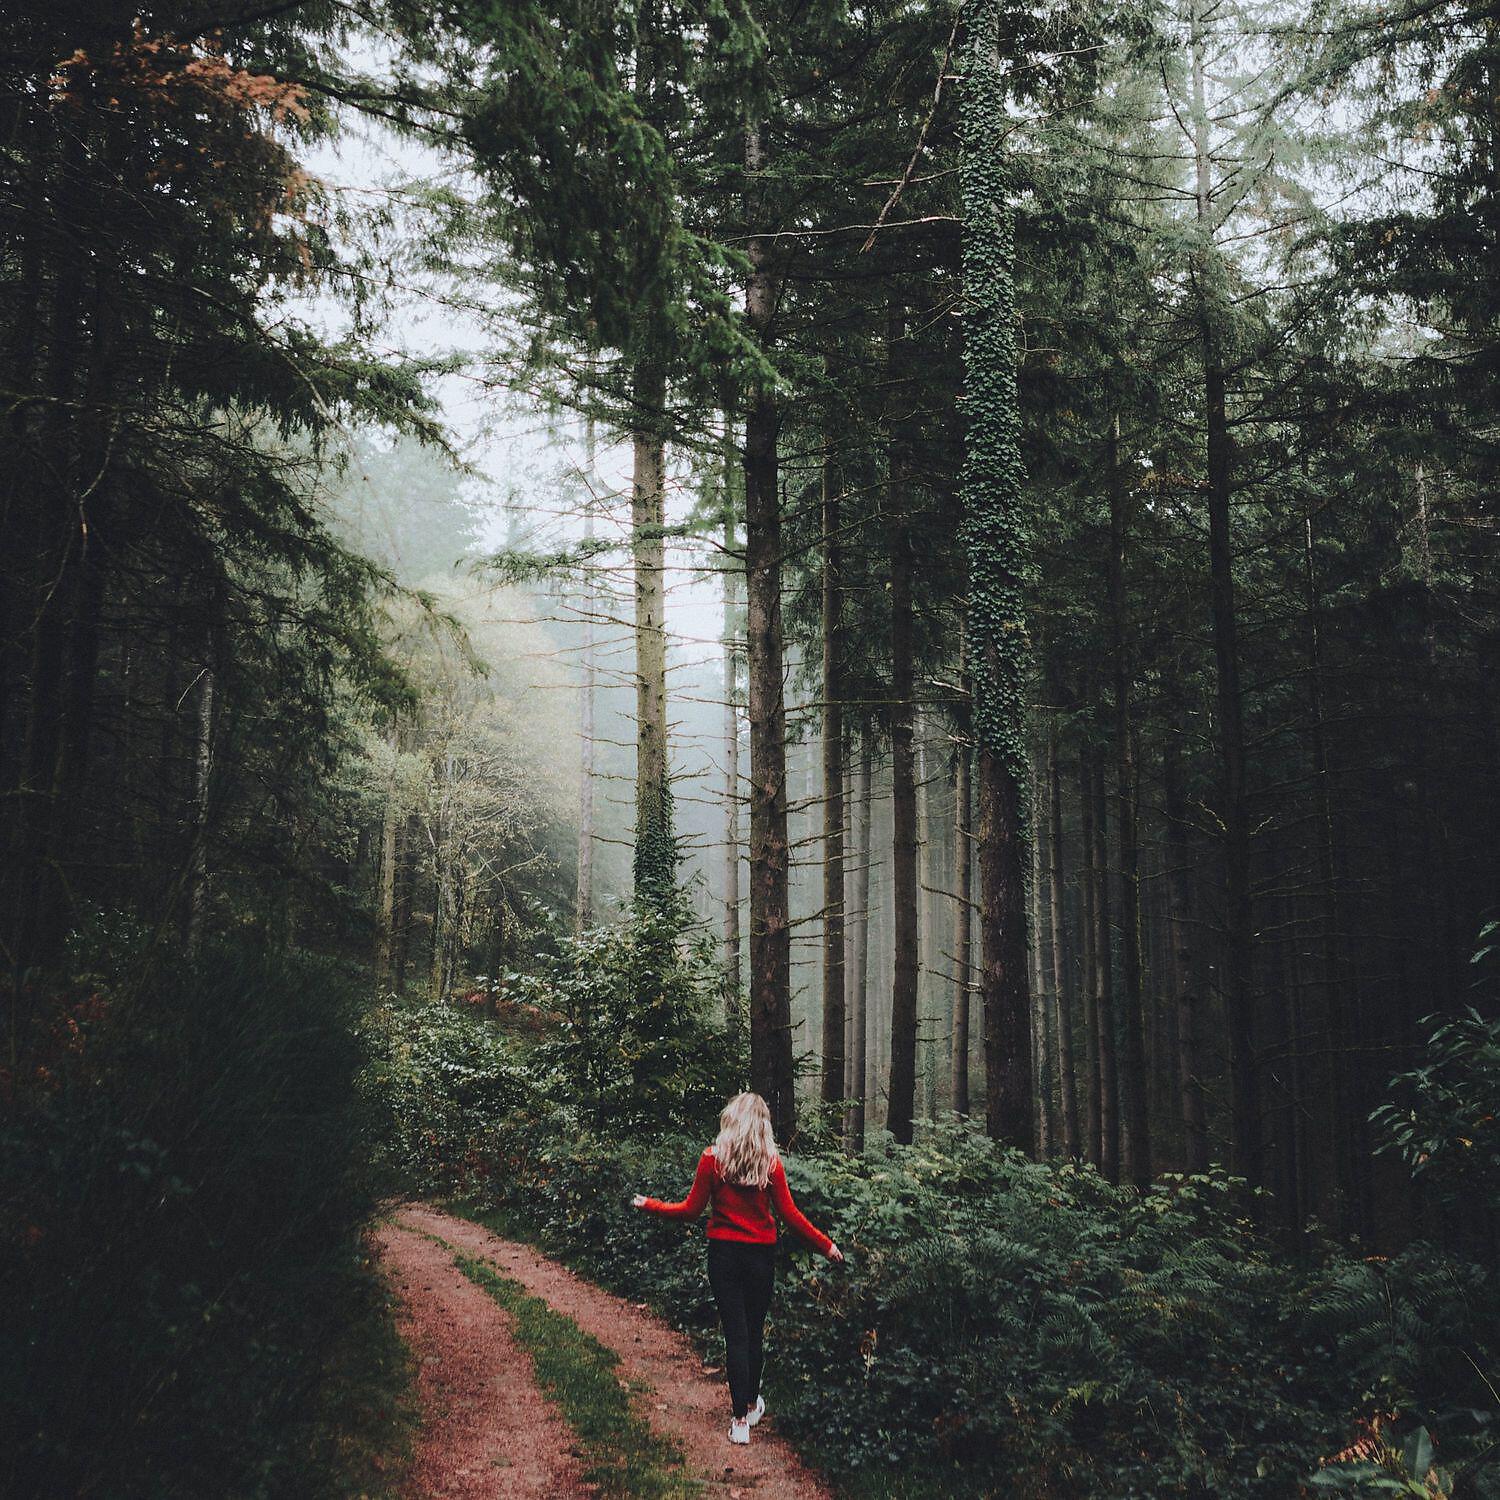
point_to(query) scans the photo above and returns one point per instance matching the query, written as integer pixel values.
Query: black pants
(741, 1277)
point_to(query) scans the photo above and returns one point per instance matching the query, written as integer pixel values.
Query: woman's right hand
(836, 1255)
(639, 1201)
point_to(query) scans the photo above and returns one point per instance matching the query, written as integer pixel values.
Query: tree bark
(1007, 1010)
(927, 945)
(583, 905)
(833, 797)
(1191, 1105)
(655, 846)
(771, 1063)
(1135, 1141)
(1066, 1069)
(963, 858)
(1238, 990)
(1088, 927)
(1345, 1144)
(1040, 1041)
(901, 1088)
(385, 939)
(733, 948)
(1104, 977)
(860, 994)
(203, 759)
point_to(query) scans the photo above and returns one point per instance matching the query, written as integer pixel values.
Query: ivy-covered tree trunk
(997, 542)
(771, 1064)
(834, 999)
(655, 842)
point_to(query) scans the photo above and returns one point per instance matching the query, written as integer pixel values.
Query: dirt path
(686, 1402)
(487, 1431)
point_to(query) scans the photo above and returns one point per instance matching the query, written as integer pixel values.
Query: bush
(184, 1189)
(441, 1079)
(633, 1040)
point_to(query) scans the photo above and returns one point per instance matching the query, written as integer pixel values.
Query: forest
(937, 561)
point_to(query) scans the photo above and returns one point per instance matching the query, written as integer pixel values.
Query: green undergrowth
(622, 1456)
(1002, 1327)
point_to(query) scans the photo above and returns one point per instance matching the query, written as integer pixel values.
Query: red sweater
(740, 1211)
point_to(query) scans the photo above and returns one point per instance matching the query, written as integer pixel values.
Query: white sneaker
(756, 1412)
(739, 1430)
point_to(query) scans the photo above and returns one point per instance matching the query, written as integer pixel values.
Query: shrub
(633, 1040)
(441, 1079)
(182, 1175)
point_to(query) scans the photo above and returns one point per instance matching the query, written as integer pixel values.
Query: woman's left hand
(836, 1255)
(639, 1201)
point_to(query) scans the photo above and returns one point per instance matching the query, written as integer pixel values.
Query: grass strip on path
(622, 1455)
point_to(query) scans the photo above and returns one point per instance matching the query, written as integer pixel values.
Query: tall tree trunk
(1239, 992)
(1066, 1070)
(849, 925)
(997, 547)
(1040, 1041)
(1003, 987)
(1345, 1144)
(901, 1089)
(860, 992)
(1194, 1114)
(655, 844)
(771, 1064)
(385, 916)
(963, 859)
(1088, 927)
(833, 796)
(733, 953)
(406, 843)
(203, 760)
(927, 946)
(1104, 977)
(1135, 1142)
(51, 542)
(583, 904)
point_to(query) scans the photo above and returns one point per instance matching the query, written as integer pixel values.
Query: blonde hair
(746, 1146)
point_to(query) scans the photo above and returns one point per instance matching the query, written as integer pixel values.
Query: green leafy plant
(634, 1039)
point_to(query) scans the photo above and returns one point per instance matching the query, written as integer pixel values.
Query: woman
(742, 1177)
